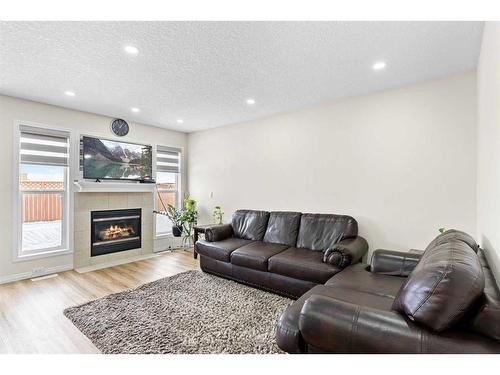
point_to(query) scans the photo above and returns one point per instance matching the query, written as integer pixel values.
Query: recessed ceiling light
(250, 101)
(69, 93)
(131, 50)
(379, 65)
(135, 110)
(180, 121)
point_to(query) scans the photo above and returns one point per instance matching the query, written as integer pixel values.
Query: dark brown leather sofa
(444, 301)
(283, 252)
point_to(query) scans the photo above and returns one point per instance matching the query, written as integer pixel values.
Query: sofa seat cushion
(358, 277)
(256, 254)
(302, 264)
(288, 335)
(220, 250)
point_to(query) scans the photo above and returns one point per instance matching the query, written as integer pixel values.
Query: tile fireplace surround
(87, 202)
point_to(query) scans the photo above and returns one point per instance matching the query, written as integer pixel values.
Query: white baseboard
(67, 267)
(28, 275)
(40, 278)
(112, 263)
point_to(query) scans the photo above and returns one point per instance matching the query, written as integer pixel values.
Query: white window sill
(163, 235)
(41, 255)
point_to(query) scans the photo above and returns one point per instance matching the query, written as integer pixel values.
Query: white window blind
(168, 159)
(43, 147)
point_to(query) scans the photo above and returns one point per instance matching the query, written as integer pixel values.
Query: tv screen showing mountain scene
(106, 159)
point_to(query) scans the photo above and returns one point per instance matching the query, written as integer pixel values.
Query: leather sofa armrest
(218, 232)
(394, 263)
(335, 326)
(346, 252)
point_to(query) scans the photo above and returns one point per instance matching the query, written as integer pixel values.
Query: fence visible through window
(41, 204)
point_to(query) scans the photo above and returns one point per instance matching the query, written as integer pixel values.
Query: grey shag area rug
(189, 313)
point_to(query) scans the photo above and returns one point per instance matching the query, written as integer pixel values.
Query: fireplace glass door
(115, 230)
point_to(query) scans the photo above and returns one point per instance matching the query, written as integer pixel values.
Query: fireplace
(115, 230)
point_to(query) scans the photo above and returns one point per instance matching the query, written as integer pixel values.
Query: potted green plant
(175, 216)
(217, 214)
(189, 216)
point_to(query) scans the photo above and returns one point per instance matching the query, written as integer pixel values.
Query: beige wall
(13, 109)
(488, 180)
(402, 162)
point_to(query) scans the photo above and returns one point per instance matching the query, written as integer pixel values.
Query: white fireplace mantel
(84, 186)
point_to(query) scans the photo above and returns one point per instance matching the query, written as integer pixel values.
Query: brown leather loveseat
(284, 252)
(443, 301)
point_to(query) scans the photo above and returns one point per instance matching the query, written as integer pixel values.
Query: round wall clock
(119, 127)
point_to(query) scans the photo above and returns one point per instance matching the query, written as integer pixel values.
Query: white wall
(13, 109)
(402, 162)
(488, 179)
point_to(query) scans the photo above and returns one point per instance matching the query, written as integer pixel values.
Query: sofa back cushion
(444, 285)
(454, 235)
(318, 232)
(250, 224)
(485, 318)
(283, 228)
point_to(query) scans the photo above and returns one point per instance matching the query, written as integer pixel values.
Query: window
(168, 163)
(43, 206)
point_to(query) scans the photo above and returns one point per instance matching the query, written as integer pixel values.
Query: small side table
(197, 229)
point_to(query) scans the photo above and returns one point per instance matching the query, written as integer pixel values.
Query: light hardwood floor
(31, 313)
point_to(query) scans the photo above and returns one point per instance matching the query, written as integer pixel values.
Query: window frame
(67, 204)
(178, 182)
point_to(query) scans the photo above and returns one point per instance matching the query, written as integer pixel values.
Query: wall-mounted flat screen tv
(113, 160)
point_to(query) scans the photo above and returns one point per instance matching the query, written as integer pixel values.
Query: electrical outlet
(38, 271)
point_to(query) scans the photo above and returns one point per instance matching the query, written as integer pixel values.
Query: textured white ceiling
(203, 72)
